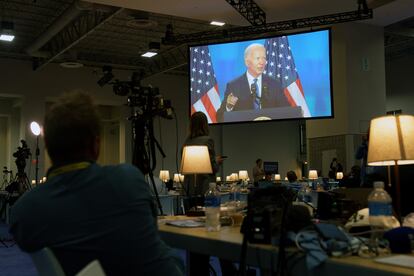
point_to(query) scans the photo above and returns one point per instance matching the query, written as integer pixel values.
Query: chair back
(46, 263)
(94, 268)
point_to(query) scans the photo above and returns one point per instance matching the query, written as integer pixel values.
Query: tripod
(144, 156)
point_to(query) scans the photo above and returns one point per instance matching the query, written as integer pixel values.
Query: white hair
(250, 47)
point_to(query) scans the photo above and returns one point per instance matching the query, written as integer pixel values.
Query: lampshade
(195, 160)
(243, 175)
(35, 128)
(218, 179)
(339, 175)
(313, 174)
(286, 179)
(181, 177)
(164, 175)
(277, 177)
(391, 139)
(176, 177)
(234, 176)
(228, 178)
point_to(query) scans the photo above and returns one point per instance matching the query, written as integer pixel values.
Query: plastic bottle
(380, 208)
(235, 195)
(212, 208)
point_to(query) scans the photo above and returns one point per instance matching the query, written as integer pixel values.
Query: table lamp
(277, 177)
(339, 175)
(195, 160)
(234, 177)
(243, 176)
(391, 143)
(35, 128)
(164, 175)
(176, 178)
(313, 175)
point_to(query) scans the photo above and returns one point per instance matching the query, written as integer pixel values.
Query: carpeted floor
(13, 262)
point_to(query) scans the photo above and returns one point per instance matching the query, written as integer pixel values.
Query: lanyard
(69, 168)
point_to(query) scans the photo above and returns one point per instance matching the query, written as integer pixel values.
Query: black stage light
(107, 77)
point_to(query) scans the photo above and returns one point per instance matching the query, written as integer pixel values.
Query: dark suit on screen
(272, 95)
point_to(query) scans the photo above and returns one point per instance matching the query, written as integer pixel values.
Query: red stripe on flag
(209, 107)
(217, 90)
(299, 84)
(289, 97)
(193, 110)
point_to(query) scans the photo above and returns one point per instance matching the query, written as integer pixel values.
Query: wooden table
(226, 244)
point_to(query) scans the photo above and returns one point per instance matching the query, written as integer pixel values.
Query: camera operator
(86, 211)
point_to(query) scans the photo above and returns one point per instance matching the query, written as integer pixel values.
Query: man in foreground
(85, 211)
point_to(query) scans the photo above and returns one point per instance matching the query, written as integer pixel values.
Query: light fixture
(217, 23)
(339, 175)
(313, 174)
(7, 29)
(234, 176)
(176, 177)
(243, 175)
(277, 177)
(149, 54)
(391, 143)
(35, 128)
(195, 160)
(107, 75)
(164, 175)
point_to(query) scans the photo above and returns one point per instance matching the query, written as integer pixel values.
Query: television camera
(21, 155)
(146, 103)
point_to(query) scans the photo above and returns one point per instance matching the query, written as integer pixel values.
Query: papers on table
(185, 223)
(400, 260)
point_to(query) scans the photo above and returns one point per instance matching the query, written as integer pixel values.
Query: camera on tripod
(21, 155)
(146, 99)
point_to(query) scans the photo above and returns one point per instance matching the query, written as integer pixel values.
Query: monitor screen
(273, 78)
(271, 167)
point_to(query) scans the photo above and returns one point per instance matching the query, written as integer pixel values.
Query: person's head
(71, 129)
(259, 162)
(198, 124)
(255, 59)
(291, 176)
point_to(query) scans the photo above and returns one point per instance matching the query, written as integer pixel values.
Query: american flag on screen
(280, 64)
(204, 90)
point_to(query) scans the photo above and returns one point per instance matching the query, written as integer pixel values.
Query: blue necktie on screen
(256, 98)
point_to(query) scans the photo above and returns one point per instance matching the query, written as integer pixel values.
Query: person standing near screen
(252, 90)
(258, 171)
(199, 135)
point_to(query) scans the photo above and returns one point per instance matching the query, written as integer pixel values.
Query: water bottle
(212, 208)
(235, 195)
(380, 208)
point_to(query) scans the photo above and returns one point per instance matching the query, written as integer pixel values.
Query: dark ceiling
(76, 32)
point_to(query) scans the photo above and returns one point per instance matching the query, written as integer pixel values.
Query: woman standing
(199, 135)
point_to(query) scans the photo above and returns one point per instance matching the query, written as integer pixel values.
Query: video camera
(146, 99)
(21, 155)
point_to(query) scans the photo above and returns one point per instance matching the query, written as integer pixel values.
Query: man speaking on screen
(252, 90)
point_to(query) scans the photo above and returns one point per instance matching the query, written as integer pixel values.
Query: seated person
(85, 211)
(292, 181)
(353, 179)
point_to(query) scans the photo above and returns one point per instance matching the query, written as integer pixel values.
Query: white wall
(358, 76)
